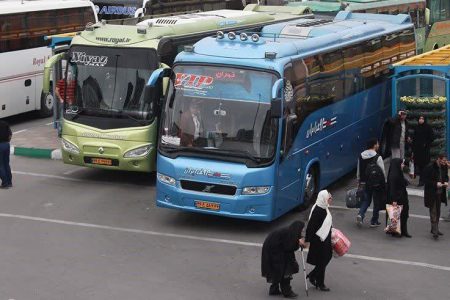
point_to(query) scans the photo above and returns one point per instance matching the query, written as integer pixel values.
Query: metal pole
(304, 272)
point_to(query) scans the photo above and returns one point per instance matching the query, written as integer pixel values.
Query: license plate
(101, 161)
(207, 205)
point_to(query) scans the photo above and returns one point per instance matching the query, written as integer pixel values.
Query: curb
(54, 154)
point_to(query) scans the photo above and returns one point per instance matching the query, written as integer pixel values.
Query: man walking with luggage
(5, 170)
(436, 183)
(372, 180)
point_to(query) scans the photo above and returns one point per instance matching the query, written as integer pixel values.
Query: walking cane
(304, 273)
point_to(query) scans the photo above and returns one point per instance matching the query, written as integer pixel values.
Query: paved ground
(75, 233)
(30, 131)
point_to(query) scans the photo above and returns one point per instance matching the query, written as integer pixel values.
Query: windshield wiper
(123, 113)
(236, 153)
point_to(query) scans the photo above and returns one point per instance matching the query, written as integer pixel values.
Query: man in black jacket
(5, 169)
(436, 183)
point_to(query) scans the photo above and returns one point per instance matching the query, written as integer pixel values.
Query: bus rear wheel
(47, 102)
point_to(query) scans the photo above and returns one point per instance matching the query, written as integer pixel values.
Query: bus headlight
(69, 147)
(138, 152)
(255, 190)
(166, 179)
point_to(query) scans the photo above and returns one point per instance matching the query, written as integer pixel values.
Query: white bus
(23, 50)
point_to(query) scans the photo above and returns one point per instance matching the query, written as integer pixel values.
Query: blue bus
(254, 125)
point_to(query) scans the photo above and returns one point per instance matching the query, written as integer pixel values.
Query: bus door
(288, 187)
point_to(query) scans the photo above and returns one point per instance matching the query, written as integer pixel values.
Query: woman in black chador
(422, 139)
(278, 262)
(397, 194)
(318, 234)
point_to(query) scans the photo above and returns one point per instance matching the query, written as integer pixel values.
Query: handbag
(341, 244)
(353, 197)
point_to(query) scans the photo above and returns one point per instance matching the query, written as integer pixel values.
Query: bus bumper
(111, 159)
(251, 207)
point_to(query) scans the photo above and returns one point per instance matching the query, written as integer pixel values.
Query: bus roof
(19, 6)
(320, 6)
(350, 5)
(156, 29)
(299, 38)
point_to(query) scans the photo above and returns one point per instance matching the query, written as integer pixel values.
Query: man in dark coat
(5, 169)
(399, 135)
(422, 139)
(436, 183)
(191, 125)
(278, 262)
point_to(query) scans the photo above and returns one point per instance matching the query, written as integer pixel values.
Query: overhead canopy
(438, 57)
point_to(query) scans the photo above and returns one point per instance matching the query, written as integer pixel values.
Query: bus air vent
(166, 21)
(206, 187)
(313, 23)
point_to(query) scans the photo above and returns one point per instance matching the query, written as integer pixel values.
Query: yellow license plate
(207, 205)
(101, 161)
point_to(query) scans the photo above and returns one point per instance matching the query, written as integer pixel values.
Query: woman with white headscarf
(318, 234)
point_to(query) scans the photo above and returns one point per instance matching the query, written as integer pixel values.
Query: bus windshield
(110, 82)
(220, 111)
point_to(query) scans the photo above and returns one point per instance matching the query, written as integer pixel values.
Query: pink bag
(341, 244)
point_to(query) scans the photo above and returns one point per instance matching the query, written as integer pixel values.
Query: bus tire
(47, 102)
(311, 188)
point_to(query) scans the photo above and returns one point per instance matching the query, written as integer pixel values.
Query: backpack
(374, 175)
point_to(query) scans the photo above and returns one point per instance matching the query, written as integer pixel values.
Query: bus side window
(88, 16)
(331, 87)
(353, 57)
(13, 32)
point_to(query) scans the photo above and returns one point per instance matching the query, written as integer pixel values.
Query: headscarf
(290, 241)
(423, 133)
(322, 202)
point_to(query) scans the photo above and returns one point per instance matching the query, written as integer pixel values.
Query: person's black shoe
(406, 235)
(312, 280)
(440, 233)
(274, 290)
(6, 186)
(290, 295)
(324, 288)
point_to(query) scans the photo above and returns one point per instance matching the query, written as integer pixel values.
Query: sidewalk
(38, 142)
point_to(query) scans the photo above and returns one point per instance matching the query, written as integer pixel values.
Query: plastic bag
(353, 198)
(341, 244)
(393, 212)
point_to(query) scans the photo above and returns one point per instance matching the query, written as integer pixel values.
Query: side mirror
(276, 104)
(157, 75)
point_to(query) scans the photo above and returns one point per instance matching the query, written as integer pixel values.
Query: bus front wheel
(47, 102)
(311, 188)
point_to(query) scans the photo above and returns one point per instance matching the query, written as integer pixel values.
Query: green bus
(109, 120)
(431, 17)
